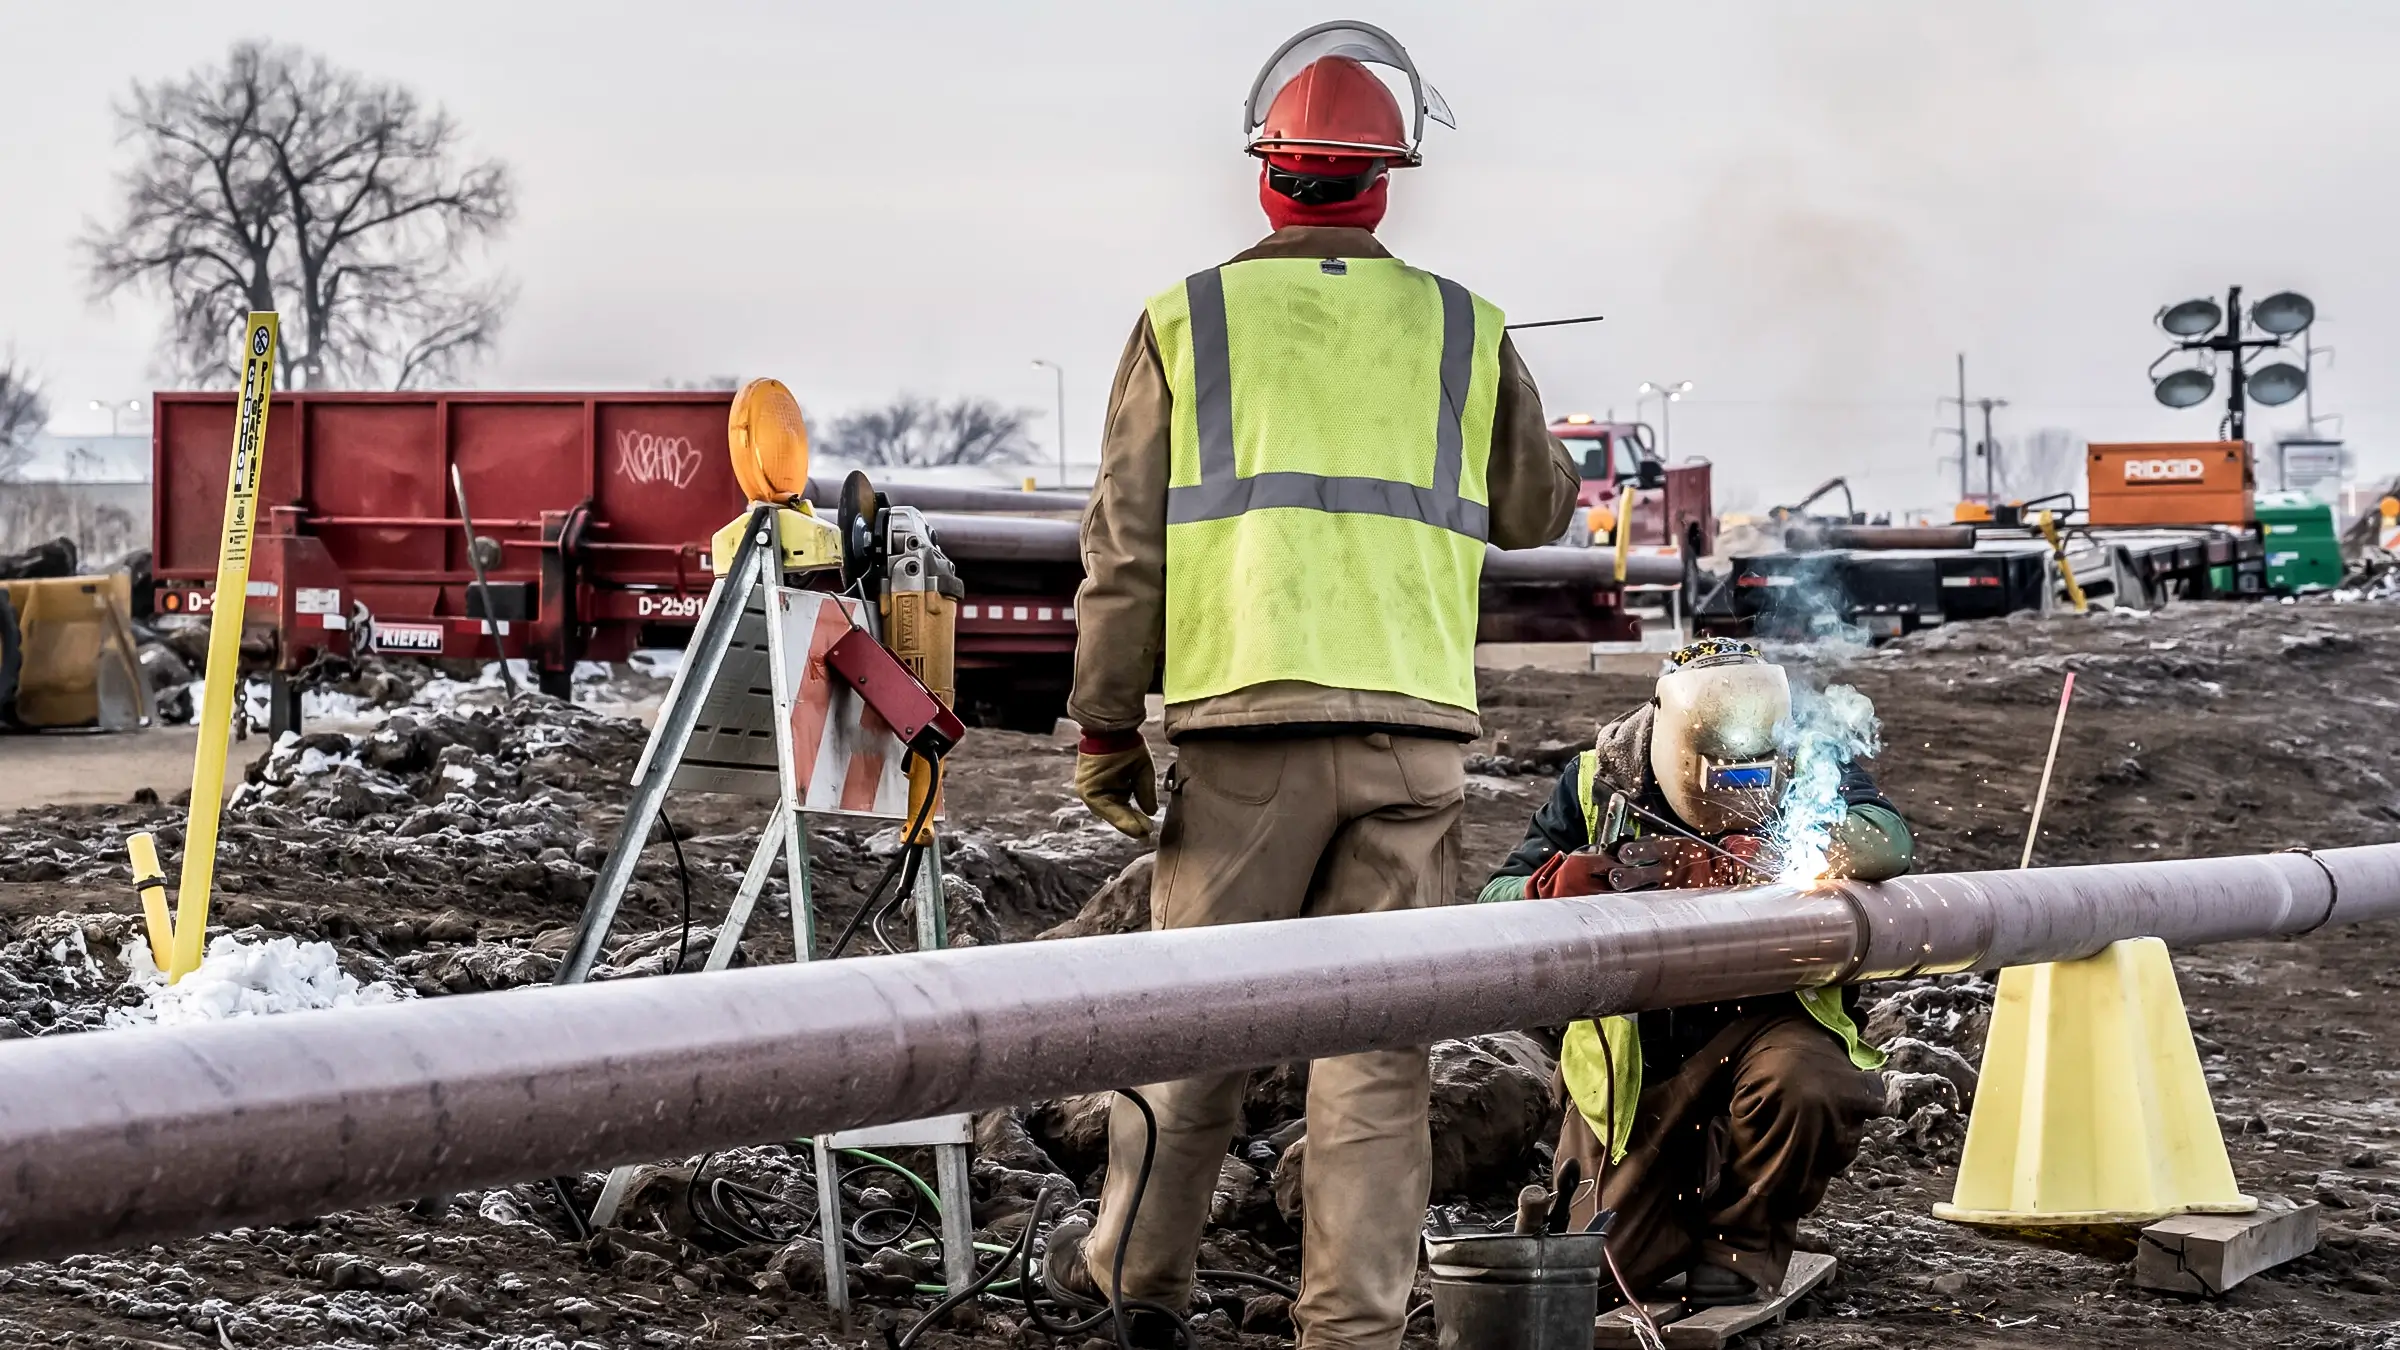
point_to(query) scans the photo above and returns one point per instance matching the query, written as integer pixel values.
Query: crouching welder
(1307, 450)
(1711, 1130)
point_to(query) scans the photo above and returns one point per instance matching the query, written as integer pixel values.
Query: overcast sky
(1803, 208)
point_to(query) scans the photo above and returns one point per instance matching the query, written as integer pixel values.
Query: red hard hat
(1334, 107)
(1318, 95)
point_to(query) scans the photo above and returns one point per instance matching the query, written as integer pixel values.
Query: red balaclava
(1362, 212)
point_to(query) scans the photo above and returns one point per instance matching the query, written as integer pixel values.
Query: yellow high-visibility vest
(1327, 507)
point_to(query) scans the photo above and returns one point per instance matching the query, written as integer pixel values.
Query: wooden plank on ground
(1618, 1329)
(2210, 1253)
(1712, 1328)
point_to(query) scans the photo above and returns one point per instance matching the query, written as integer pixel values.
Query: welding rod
(1551, 323)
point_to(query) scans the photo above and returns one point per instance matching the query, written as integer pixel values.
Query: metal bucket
(1507, 1291)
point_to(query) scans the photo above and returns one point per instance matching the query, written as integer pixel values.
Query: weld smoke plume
(1825, 732)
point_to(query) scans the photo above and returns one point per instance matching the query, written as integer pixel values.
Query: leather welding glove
(1113, 774)
(1872, 843)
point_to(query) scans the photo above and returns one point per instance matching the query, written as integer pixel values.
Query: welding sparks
(1824, 733)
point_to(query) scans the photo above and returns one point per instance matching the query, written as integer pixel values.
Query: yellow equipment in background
(912, 587)
(67, 654)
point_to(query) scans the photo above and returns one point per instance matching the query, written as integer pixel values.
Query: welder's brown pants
(1729, 1152)
(1284, 829)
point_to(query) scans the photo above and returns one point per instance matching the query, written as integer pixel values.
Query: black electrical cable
(1608, 1063)
(1017, 1251)
(874, 900)
(1114, 1310)
(902, 894)
(683, 874)
(1266, 1282)
(729, 1209)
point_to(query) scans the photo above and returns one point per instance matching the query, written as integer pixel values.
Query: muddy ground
(448, 851)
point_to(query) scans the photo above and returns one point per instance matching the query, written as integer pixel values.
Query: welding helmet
(1712, 737)
(1316, 97)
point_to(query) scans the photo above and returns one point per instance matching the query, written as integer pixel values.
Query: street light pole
(1061, 380)
(112, 409)
(1667, 395)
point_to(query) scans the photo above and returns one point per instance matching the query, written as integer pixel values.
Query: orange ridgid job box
(2170, 483)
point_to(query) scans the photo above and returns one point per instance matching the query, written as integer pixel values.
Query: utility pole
(1990, 451)
(1061, 374)
(1963, 443)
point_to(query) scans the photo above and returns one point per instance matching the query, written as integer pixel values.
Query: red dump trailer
(602, 505)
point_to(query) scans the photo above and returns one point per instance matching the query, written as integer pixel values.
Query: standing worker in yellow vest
(1307, 450)
(1711, 1130)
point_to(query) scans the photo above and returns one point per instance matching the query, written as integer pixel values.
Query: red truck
(602, 506)
(1671, 506)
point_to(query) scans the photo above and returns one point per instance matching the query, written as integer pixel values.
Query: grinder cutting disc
(862, 544)
(769, 441)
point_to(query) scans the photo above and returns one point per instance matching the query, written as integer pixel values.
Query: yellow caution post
(223, 671)
(2092, 1108)
(2066, 570)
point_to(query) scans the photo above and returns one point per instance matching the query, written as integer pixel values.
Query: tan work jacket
(1120, 611)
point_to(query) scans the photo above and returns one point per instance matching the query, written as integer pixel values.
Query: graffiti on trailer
(646, 458)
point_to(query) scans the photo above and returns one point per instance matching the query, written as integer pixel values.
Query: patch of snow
(245, 979)
(659, 663)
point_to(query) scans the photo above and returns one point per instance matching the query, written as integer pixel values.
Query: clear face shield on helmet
(1361, 42)
(1712, 743)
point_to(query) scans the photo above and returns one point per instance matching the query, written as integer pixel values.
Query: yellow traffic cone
(2092, 1108)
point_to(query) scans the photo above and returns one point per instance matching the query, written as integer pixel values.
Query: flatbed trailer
(601, 506)
(1887, 592)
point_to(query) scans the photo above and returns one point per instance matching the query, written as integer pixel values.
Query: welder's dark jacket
(1658, 1042)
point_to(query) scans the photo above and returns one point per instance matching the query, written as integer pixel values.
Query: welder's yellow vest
(1602, 1061)
(1327, 507)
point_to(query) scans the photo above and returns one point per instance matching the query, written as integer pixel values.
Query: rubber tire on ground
(12, 658)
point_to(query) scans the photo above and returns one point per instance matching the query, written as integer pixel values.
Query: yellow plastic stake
(2066, 572)
(1622, 527)
(150, 882)
(223, 672)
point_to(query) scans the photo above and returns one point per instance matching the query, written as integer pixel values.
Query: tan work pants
(1286, 829)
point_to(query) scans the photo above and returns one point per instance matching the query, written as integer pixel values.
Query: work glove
(1112, 774)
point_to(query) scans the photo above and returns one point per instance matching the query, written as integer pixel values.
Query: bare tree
(2046, 462)
(914, 429)
(279, 181)
(23, 411)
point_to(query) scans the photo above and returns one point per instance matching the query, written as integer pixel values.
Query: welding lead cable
(1114, 1309)
(906, 855)
(1645, 1326)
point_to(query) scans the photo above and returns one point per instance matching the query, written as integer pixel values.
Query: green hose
(932, 1197)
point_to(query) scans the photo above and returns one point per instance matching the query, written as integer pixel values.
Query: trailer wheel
(12, 658)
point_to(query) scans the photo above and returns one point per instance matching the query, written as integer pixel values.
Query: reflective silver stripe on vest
(1222, 493)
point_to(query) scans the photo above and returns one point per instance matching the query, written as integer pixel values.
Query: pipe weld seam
(2333, 887)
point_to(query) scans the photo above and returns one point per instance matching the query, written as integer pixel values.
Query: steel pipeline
(120, 1137)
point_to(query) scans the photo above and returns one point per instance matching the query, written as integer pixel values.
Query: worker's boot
(1707, 1286)
(1067, 1277)
(1065, 1274)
